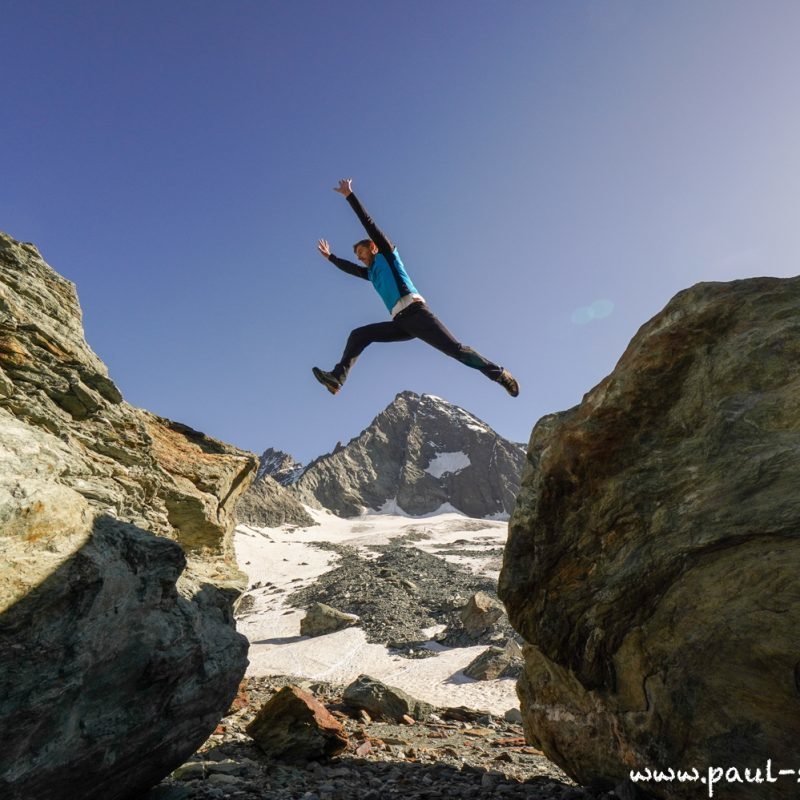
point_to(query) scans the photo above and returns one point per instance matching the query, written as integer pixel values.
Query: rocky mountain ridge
(280, 466)
(419, 455)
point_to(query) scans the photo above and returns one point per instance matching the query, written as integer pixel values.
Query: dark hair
(365, 242)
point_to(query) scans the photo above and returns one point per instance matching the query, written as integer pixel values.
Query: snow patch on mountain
(447, 463)
(390, 507)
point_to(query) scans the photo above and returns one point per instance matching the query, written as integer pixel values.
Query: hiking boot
(327, 379)
(508, 382)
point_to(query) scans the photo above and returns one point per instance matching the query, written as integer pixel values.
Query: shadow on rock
(110, 676)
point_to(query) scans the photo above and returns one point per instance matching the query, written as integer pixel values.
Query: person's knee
(357, 335)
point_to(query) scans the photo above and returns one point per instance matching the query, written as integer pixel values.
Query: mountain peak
(278, 465)
(419, 454)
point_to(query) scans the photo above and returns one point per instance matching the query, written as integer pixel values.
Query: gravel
(401, 593)
(484, 757)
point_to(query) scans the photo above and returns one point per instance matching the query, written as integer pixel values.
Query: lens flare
(599, 309)
(582, 316)
(602, 308)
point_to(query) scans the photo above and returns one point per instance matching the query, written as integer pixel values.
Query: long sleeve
(373, 231)
(349, 267)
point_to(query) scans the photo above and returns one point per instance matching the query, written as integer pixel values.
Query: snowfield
(284, 559)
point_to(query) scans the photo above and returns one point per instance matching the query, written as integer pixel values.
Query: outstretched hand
(324, 248)
(345, 187)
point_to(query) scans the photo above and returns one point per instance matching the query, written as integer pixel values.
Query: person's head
(365, 251)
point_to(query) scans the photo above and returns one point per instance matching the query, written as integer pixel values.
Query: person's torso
(390, 279)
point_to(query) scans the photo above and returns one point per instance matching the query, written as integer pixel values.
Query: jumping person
(411, 318)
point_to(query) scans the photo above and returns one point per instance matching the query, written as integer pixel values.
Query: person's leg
(423, 324)
(361, 338)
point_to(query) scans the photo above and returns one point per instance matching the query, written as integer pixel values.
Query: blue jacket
(387, 274)
(390, 279)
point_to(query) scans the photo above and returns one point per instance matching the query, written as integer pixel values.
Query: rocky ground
(403, 595)
(404, 591)
(453, 753)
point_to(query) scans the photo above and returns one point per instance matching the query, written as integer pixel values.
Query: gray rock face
(417, 455)
(105, 657)
(653, 555)
(266, 504)
(118, 652)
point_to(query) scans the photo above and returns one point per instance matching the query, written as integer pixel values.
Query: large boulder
(382, 701)
(321, 619)
(294, 726)
(480, 613)
(653, 554)
(118, 650)
(496, 662)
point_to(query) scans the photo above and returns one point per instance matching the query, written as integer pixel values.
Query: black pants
(414, 322)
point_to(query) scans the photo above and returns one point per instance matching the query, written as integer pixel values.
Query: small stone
(463, 714)
(364, 749)
(488, 781)
(226, 767)
(225, 781)
(191, 771)
(242, 698)
(339, 772)
(480, 732)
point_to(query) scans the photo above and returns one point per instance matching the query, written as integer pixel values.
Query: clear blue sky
(531, 160)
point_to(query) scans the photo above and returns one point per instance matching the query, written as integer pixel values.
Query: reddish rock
(242, 699)
(294, 726)
(364, 749)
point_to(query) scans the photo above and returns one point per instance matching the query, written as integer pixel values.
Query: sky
(552, 173)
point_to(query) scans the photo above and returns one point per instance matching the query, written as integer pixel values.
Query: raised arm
(345, 266)
(381, 240)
